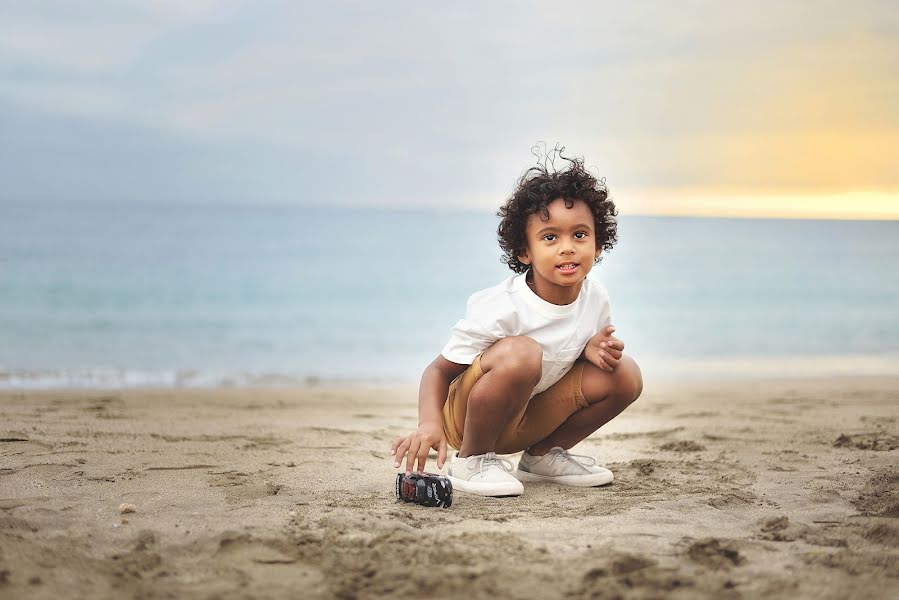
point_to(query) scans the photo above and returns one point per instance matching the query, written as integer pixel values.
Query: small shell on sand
(124, 507)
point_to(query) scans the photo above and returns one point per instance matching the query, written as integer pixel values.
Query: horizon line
(700, 204)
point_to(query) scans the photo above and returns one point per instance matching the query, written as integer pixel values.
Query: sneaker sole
(509, 488)
(592, 480)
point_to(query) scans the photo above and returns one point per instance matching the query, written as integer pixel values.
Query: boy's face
(561, 250)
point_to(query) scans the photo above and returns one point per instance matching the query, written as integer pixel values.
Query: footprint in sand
(878, 441)
(106, 407)
(142, 559)
(884, 534)
(241, 487)
(629, 435)
(715, 554)
(682, 446)
(880, 496)
(629, 575)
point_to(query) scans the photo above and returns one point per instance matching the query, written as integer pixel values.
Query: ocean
(195, 296)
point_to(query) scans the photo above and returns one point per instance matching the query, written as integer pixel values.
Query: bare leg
(512, 367)
(607, 395)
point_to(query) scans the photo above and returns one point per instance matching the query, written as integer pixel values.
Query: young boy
(533, 366)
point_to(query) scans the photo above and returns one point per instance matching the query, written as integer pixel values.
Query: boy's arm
(434, 387)
(435, 382)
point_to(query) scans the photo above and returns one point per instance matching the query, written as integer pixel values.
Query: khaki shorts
(541, 416)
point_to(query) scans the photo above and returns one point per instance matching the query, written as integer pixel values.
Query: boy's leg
(512, 367)
(607, 394)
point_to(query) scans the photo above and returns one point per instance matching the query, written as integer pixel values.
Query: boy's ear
(524, 258)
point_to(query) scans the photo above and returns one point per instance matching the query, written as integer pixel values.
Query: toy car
(426, 489)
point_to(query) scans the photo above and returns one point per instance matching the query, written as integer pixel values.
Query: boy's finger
(413, 453)
(615, 353)
(441, 454)
(400, 451)
(609, 359)
(422, 457)
(608, 329)
(603, 363)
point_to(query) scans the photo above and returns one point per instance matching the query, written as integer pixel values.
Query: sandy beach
(781, 489)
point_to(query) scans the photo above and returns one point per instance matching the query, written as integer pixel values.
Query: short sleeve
(468, 337)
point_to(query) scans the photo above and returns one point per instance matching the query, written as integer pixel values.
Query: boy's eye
(552, 235)
(584, 233)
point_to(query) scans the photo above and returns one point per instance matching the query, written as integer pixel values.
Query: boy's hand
(604, 350)
(417, 444)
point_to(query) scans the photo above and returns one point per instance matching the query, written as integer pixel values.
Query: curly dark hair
(538, 188)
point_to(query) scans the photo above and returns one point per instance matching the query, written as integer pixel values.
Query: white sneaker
(484, 475)
(560, 466)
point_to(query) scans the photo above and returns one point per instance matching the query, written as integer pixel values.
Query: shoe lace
(482, 461)
(564, 455)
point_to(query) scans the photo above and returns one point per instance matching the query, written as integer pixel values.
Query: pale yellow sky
(793, 127)
(783, 204)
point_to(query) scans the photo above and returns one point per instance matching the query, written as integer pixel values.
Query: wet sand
(780, 489)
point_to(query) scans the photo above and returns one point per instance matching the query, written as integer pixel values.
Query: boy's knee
(630, 379)
(519, 355)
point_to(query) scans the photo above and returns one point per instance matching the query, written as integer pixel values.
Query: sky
(785, 109)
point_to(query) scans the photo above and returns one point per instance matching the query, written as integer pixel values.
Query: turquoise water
(191, 296)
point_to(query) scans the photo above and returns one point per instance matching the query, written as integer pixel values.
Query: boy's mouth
(568, 267)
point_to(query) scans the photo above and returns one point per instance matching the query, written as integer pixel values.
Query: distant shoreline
(666, 370)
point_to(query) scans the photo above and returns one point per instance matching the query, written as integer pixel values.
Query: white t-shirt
(512, 308)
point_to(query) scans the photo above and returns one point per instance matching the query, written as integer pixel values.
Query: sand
(780, 489)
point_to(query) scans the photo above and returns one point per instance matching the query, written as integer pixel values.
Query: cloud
(407, 104)
(93, 36)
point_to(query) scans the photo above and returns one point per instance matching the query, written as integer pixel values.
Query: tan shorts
(541, 416)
